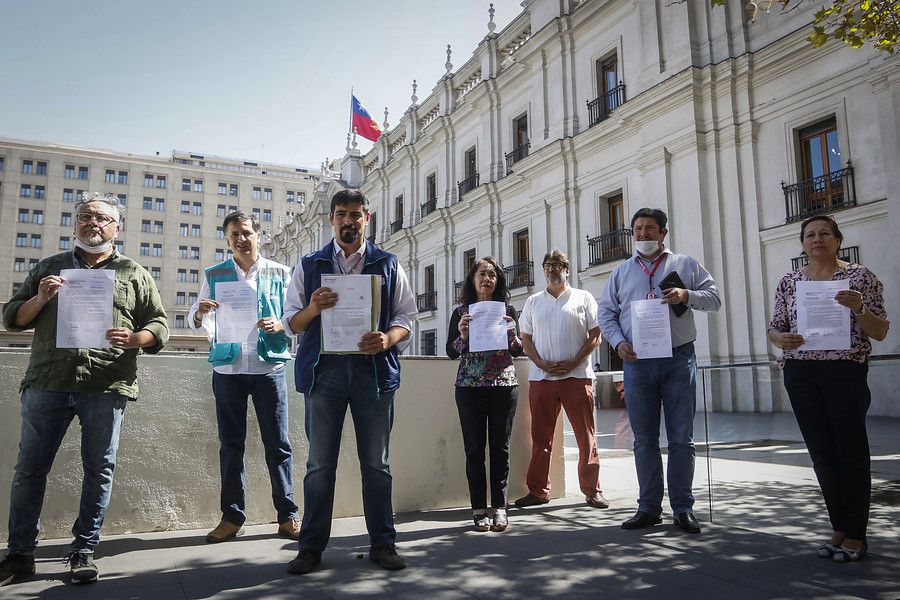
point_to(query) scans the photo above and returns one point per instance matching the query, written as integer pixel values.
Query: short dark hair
(240, 216)
(349, 196)
(559, 256)
(651, 213)
(831, 223)
(501, 291)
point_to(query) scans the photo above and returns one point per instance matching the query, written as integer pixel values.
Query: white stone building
(578, 113)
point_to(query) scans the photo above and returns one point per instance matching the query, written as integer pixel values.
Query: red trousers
(576, 396)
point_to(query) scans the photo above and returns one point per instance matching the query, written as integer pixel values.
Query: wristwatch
(862, 310)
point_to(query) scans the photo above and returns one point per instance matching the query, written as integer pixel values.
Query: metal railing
(396, 225)
(609, 247)
(457, 289)
(600, 108)
(429, 207)
(427, 301)
(429, 342)
(520, 275)
(516, 155)
(825, 193)
(850, 254)
(467, 185)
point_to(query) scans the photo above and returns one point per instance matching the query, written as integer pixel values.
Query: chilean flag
(363, 123)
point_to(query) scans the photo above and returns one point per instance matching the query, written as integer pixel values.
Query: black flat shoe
(687, 522)
(641, 520)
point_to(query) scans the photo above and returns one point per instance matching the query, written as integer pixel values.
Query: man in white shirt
(559, 333)
(254, 367)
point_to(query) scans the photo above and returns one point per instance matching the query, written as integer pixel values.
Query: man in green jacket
(93, 384)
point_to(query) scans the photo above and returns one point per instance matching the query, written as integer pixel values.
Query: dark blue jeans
(342, 381)
(269, 393)
(45, 418)
(670, 384)
(486, 417)
(830, 399)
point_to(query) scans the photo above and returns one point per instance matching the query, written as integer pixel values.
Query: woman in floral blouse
(486, 394)
(828, 388)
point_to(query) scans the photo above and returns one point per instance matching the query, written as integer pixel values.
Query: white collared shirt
(559, 328)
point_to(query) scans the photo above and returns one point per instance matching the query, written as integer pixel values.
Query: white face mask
(647, 247)
(99, 249)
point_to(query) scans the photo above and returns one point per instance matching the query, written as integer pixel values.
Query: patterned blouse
(784, 318)
(493, 368)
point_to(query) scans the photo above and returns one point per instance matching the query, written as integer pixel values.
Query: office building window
(147, 203)
(145, 226)
(157, 226)
(183, 229)
(220, 254)
(2, 163)
(220, 233)
(179, 321)
(257, 193)
(194, 276)
(429, 342)
(24, 215)
(110, 176)
(27, 167)
(64, 243)
(41, 168)
(122, 199)
(267, 194)
(21, 240)
(180, 298)
(157, 250)
(65, 219)
(182, 252)
(192, 297)
(185, 185)
(233, 190)
(120, 246)
(68, 195)
(160, 205)
(267, 215)
(19, 265)
(145, 249)
(148, 180)
(197, 208)
(290, 196)
(161, 181)
(182, 275)
(301, 196)
(123, 177)
(156, 272)
(195, 253)
(69, 172)
(25, 191)
(223, 189)
(256, 214)
(220, 210)
(37, 217)
(198, 185)
(82, 173)
(185, 206)
(36, 240)
(40, 192)
(232, 209)
(195, 230)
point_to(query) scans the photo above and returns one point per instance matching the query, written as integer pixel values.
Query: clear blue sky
(267, 80)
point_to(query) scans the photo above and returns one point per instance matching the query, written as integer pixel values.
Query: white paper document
(353, 316)
(651, 336)
(238, 311)
(487, 329)
(84, 308)
(823, 323)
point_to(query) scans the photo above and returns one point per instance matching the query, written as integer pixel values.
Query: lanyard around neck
(658, 261)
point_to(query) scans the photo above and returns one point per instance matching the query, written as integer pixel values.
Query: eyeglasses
(556, 266)
(102, 220)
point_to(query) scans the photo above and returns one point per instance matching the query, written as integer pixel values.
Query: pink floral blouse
(784, 317)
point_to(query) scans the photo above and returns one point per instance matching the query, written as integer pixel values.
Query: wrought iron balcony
(396, 225)
(832, 191)
(609, 247)
(467, 185)
(427, 301)
(600, 108)
(850, 254)
(519, 275)
(516, 155)
(429, 207)
(457, 289)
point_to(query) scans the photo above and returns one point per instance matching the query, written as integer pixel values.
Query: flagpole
(350, 130)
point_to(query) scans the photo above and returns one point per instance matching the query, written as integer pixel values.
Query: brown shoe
(223, 532)
(597, 500)
(530, 500)
(290, 529)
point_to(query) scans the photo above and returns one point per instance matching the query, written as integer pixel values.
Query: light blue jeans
(342, 381)
(670, 384)
(45, 418)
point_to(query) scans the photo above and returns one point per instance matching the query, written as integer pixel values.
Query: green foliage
(852, 22)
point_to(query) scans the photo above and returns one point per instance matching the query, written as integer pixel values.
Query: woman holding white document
(826, 348)
(483, 334)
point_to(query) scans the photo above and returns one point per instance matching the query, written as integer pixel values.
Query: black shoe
(687, 522)
(81, 567)
(16, 567)
(306, 561)
(387, 557)
(641, 520)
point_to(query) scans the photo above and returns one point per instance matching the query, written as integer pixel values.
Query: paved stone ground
(767, 522)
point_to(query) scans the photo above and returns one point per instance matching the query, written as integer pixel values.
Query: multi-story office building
(172, 216)
(579, 112)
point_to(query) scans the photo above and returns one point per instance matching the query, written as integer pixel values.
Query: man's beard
(349, 235)
(91, 239)
(554, 278)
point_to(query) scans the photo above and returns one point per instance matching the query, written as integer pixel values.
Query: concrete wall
(168, 475)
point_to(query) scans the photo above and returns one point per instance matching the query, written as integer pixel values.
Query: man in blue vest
(365, 382)
(254, 367)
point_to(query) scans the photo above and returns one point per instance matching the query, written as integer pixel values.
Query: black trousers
(486, 416)
(830, 399)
